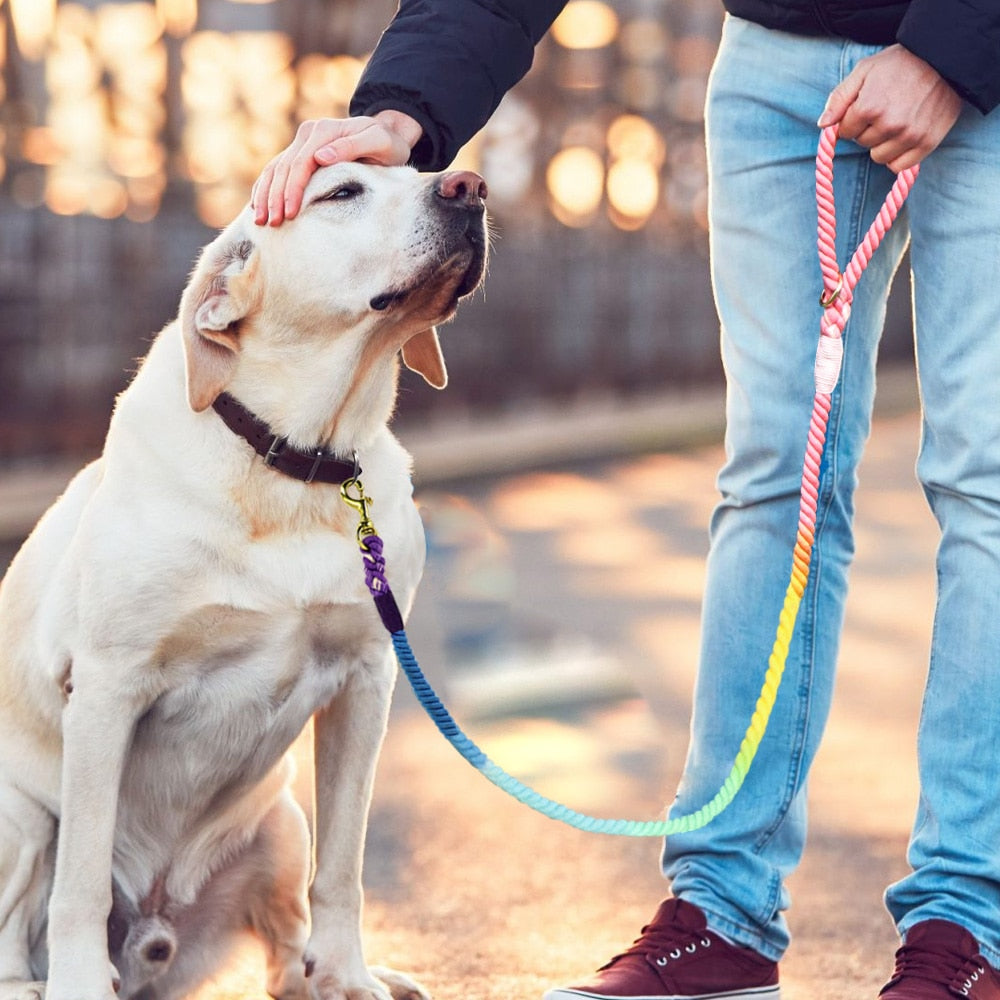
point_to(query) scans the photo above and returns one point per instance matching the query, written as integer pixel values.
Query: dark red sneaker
(677, 958)
(941, 961)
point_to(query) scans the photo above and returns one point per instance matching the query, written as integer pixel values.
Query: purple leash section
(378, 585)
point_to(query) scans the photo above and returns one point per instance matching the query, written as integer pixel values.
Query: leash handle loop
(838, 286)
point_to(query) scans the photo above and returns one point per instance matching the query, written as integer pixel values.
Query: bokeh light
(178, 17)
(575, 180)
(106, 74)
(33, 24)
(645, 40)
(507, 151)
(239, 91)
(631, 137)
(586, 24)
(325, 85)
(633, 192)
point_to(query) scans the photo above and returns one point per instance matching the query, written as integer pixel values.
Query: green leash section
(546, 806)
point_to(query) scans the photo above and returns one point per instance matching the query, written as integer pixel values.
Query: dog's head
(375, 258)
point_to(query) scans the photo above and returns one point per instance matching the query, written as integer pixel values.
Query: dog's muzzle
(458, 204)
(461, 195)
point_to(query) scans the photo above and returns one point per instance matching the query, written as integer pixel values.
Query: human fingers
(908, 158)
(325, 142)
(267, 193)
(841, 98)
(299, 162)
(259, 194)
(371, 145)
(896, 149)
(900, 140)
(902, 152)
(277, 192)
(268, 207)
(386, 139)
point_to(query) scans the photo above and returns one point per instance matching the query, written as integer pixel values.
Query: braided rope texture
(836, 300)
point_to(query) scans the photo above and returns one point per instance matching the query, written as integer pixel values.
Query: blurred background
(130, 131)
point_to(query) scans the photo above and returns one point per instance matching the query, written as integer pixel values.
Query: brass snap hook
(360, 503)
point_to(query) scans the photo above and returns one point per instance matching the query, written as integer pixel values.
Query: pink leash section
(838, 290)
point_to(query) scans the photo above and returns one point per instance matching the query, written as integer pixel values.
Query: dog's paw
(19, 989)
(401, 986)
(340, 987)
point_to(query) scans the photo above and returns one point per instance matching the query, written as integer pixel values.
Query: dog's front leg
(348, 736)
(98, 723)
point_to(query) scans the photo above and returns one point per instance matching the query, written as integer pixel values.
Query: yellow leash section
(801, 559)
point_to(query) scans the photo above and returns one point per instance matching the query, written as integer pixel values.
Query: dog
(197, 596)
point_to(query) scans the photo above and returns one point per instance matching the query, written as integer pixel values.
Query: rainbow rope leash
(838, 292)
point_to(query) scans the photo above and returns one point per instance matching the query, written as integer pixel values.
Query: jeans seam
(843, 61)
(741, 933)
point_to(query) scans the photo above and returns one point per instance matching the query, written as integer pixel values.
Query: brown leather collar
(317, 466)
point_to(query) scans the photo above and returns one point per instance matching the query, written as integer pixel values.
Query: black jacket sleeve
(961, 40)
(448, 64)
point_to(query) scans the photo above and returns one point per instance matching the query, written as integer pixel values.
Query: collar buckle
(275, 449)
(311, 465)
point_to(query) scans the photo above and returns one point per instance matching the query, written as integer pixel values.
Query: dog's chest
(246, 684)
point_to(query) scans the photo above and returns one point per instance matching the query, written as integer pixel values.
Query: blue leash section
(385, 603)
(392, 619)
(493, 772)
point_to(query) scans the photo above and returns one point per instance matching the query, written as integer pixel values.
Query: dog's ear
(422, 354)
(223, 290)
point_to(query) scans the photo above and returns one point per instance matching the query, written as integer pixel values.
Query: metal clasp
(827, 299)
(360, 503)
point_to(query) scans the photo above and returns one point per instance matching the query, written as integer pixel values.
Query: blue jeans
(766, 91)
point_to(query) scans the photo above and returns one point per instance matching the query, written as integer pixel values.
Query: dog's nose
(464, 187)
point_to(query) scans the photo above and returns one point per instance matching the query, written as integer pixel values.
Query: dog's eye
(343, 193)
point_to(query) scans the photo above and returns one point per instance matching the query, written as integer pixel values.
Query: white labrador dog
(186, 607)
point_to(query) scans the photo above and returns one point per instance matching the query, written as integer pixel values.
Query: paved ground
(559, 619)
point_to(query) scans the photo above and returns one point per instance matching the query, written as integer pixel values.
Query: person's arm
(439, 71)
(448, 64)
(903, 101)
(961, 40)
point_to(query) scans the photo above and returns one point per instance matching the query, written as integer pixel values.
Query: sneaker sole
(757, 993)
